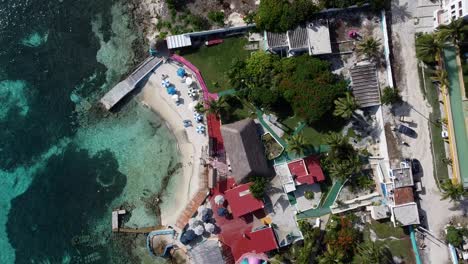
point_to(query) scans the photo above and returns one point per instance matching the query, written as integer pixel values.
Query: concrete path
(437, 212)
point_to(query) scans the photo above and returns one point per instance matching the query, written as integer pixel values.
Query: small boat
(213, 42)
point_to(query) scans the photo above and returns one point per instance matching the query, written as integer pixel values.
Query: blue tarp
(181, 72)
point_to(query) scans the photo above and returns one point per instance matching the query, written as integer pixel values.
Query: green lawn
(311, 135)
(214, 61)
(400, 247)
(438, 144)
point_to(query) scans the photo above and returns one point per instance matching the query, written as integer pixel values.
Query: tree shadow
(400, 13)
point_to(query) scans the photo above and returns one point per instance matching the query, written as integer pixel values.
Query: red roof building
(236, 233)
(307, 170)
(259, 241)
(242, 201)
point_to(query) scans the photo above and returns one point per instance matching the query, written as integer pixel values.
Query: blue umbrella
(222, 211)
(181, 72)
(171, 90)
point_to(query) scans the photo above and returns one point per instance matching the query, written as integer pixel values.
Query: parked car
(415, 166)
(407, 131)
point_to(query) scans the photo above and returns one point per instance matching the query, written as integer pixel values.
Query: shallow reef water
(64, 166)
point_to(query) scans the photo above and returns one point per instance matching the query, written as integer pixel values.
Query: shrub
(390, 96)
(217, 17)
(281, 15)
(162, 35)
(455, 236)
(309, 195)
(258, 187)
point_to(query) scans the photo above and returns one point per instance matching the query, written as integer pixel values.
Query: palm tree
(200, 108)
(453, 32)
(332, 256)
(441, 77)
(217, 107)
(372, 253)
(428, 48)
(454, 192)
(296, 144)
(370, 47)
(343, 169)
(335, 139)
(345, 106)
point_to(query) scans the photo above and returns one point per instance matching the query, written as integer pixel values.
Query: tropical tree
(390, 96)
(369, 47)
(258, 187)
(345, 106)
(343, 169)
(372, 253)
(428, 48)
(335, 139)
(296, 144)
(453, 192)
(441, 77)
(217, 107)
(332, 256)
(200, 108)
(453, 32)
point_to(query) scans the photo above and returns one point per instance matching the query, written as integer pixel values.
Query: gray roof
(206, 252)
(402, 177)
(298, 38)
(406, 214)
(244, 150)
(365, 85)
(276, 40)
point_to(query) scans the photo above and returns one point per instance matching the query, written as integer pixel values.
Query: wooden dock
(142, 230)
(124, 87)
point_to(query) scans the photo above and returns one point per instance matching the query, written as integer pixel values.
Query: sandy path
(438, 212)
(189, 142)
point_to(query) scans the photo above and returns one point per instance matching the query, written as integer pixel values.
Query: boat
(213, 42)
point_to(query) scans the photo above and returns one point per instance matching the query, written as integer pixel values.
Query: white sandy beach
(189, 142)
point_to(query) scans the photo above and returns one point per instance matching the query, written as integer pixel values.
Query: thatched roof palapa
(244, 149)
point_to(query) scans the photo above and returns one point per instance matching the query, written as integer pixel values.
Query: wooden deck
(124, 87)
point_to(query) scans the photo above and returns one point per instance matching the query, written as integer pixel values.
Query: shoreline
(153, 96)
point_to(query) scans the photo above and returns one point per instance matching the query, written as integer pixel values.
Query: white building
(450, 10)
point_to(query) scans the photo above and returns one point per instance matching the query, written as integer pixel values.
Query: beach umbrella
(219, 199)
(222, 211)
(198, 230)
(206, 217)
(188, 81)
(192, 222)
(181, 72)
(171, 90)
(202, 210)
(188, 236)
(175, 97)
(209, 227)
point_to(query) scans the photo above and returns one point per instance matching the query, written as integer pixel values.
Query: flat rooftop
(402, 177)
(403, 195)
(319, 38)
(406, 214)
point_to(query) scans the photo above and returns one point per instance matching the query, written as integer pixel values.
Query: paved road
(437, 212)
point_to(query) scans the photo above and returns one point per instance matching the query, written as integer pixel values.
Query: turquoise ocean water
(63, 164)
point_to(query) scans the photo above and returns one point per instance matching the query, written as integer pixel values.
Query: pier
(124, 87)
(142, 230)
